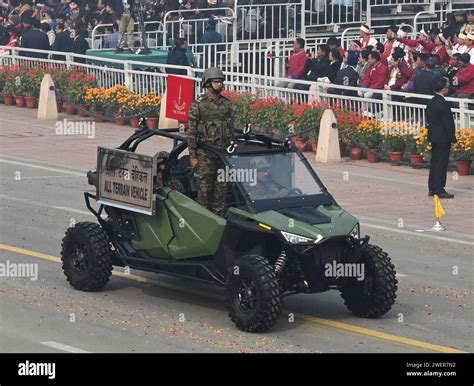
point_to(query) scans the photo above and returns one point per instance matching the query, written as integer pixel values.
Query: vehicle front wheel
(375, 295)
(253, 294)
(87, 257)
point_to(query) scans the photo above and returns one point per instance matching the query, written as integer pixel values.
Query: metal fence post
(127, 67)
(385, 109)
(463, 113)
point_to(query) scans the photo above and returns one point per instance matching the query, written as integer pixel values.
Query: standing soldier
(211, 121)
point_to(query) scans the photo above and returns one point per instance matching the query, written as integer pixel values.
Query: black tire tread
(269, 313)
(383, 297)
(99, 246)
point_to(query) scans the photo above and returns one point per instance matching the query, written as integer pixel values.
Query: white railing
(153, 37)
(183, 23)
(385, 105)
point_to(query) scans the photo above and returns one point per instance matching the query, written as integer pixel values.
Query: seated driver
(265, 187)
(174, 184)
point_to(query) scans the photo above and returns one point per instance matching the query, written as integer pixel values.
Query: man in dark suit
(441, 133)
(33, 38)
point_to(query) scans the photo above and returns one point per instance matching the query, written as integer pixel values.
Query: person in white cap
(459, 48)
(437, 47)
(470, 45)
(366, 39)
(416, 44)
(391, 42)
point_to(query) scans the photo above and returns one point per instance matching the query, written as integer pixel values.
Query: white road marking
(400, 275)
(413, 233)
(58, 170)
(72, 210)
(64, 347)
(44, 205)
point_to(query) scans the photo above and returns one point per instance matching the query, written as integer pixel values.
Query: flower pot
(463, 166)
(119, 119)
(59, 105)
(30, 102)
(1, 98)
(395, 157)
(152, 123)
(20, 101)
(134, 122)
(342, 148)
(416, 160)
(70, 109)
(373, 155)
(98, 116)
(301, 143)
(9, 100)
(83, 110)
(314, 146)
(356, 152)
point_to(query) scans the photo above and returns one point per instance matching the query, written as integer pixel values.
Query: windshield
(273, 176)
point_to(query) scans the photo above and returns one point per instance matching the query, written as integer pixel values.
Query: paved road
(156, 313)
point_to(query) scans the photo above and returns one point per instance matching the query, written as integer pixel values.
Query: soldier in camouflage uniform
(265, 187)
(174, 184)
(211, 121)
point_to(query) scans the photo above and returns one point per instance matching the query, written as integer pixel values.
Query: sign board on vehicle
(126, 180)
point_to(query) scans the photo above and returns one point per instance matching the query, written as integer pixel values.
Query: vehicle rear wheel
(87, 256)
(375, 295)
(253, 294)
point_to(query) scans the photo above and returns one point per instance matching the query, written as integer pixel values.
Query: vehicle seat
(184, 172)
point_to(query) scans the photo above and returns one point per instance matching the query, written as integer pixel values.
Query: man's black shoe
(445, 195)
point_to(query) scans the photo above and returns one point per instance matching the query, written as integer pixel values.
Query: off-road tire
(375, 300)
(91, 239)
(267, 294)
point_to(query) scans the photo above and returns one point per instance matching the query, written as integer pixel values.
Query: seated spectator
(438, 70)
(33, 38)
(425, 80)
(375, 76)
(362, 65)
(111, 39)
(109, 16)
(46, 28)
(177, 56)
(296, 67)
(391, 41)
(416, 44)
(64, 41)
(419, 62)
(365, 38)
(347, 76)
(379, 47)
(210, 37)
(454, 67)
(334, 43)
(464, 78)
(80, 45)
(400, 73)
(318, 67)
(334, 64)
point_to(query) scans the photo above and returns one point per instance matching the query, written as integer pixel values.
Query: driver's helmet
(259, 163)
(162, 156)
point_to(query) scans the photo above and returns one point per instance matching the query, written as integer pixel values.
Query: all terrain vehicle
(294, 239)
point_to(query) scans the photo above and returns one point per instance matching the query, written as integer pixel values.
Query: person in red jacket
(464, 78)
(377, 73)
(296, 67)
(400, 73)
(437, 47)
(416, 44)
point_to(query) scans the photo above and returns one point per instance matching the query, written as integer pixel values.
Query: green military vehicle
(293, 239)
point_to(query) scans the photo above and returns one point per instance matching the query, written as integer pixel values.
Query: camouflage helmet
(161, 156)
(212, 73)
(259, 163)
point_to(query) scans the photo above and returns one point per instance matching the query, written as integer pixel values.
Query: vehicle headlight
(295, 239)
(355, 232)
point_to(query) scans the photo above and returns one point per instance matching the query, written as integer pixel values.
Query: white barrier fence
(387, 106)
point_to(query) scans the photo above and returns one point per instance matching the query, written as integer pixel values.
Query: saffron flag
(179, 96)
(439, 211)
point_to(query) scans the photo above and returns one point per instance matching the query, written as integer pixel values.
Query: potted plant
(346, 121)
(129, 106)
(272, 116)
(368, 134)
(423, 145)
(241, 103)
(8, 90)
(3, 78)
(79, 82)
(463, 150)
(31, 86)
(306, 123)
(395, 144)
(150, 107)
(95, 98)
(416, 159)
